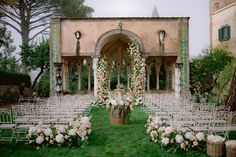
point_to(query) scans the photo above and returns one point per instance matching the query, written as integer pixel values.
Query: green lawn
(105, 141)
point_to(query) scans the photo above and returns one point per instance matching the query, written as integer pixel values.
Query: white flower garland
(103, 78)
(138, 75)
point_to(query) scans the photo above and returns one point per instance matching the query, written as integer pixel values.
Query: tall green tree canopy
(27, 16)
(7, 61)
(205, 69)
(37, 57)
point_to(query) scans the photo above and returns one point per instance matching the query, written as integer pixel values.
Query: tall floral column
(138, 74)
(102, 79)
(95, 62)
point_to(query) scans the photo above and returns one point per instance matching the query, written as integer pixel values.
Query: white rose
(179, 138)
(165, 141)
(39, 140)
(48, 132)
(200, 136)
(59, 138)
(32, 130)
(72, 132)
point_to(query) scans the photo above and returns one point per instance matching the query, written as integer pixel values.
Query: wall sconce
(78, 36)
(178, 64)
(162, 35)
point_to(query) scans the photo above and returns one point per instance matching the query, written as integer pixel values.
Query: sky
(197, 10)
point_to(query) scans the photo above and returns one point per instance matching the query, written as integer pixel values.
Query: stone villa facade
(78, 42)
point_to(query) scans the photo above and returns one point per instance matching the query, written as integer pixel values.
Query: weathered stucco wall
(222, 17)
(146, 28)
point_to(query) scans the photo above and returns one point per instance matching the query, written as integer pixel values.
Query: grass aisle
(105, 141)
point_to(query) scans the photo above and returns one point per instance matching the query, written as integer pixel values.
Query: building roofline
(121, 18)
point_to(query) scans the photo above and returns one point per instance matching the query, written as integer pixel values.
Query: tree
(205, 69)
(37, 57)
(26, 16)
(7, 61)
(231, 101)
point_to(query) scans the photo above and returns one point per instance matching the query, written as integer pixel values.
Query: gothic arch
(104, 38)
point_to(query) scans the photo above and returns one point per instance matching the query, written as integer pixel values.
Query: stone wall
(10, 93)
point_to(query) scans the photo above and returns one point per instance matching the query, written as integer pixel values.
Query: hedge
(14, 78)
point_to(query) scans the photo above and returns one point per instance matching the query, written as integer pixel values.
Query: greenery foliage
(221, 89)
(7, 61)
(36, 56)
(14, 78)
(206, 68)
(44, 85)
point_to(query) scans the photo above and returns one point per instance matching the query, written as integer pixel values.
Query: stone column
(95, 62)
(70, 74)
(118, 71)
(89, 65)
(157, 68)
(148, 69)
(110, 64)
(65, 76)
(177, 82)
(79, 69)
(173, 76)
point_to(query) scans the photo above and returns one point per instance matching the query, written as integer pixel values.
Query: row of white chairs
(182, 112)
(55, 110)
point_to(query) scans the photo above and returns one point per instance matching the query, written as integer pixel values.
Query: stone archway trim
(103, 39)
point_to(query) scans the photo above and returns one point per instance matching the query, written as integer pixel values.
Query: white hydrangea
(157, 120)
(188, 135)
(72, 132)
(161, 129)
(32, 130)
(168, 130)
(62, 129)
(179, 138)
(200, 136)
(165, 141)
(48, 132)
(39, 140)
(59, 138)
(85, 120)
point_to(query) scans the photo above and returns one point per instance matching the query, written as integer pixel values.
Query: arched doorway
(113, 45)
